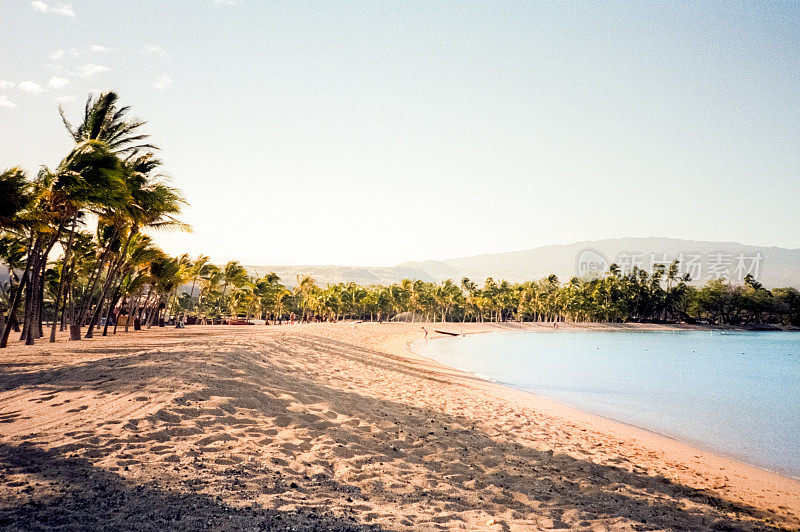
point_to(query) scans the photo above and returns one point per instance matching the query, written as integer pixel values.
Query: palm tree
(87, 176)
(105, 124)
(265, 290)
(167, 275)
(134, 275)
(280, 305)
(209, 302)
(12, 253)
(105, 121)
(199, 266)
(15, 198)
(153, 205)
(307, 291)
(234, 277)
(125, 195)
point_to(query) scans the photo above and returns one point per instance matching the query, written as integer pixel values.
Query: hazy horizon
(562, 244)
(701, 260)
(372, 134)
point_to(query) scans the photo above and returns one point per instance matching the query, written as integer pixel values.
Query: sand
(333, 427)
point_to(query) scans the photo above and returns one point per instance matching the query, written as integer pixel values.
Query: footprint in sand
(228, 460)
(215, 438)
(44, 398)
(9, 418)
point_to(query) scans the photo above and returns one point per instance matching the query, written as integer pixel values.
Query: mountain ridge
(774, 266)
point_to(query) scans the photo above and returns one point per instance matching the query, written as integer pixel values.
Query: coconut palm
(234, 277)
(105, 121)
(87, 176)
(199, 266)
(153, 205)
(281, 305)
(16, 196)
(307, 292)
(134, 275)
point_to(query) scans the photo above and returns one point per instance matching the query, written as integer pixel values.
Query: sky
(372, 133)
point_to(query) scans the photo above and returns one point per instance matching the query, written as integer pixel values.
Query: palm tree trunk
(57, 305)
(41, 250)
(31, 326)
(111, 278)
(116, 321)
(63, 318)
(11, 320)
(32, 292)
(113, 271)
(40, 305)
(148, 316)
(111, 304)
(191, 294)
(155, 312)
(67, 301)
(61, 283)
(133, 309)
(145, 310)
(76, 321)
(27, 321)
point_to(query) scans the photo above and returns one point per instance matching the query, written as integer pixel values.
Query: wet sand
(334, 427)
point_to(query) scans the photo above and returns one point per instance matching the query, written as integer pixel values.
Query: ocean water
(734, 393)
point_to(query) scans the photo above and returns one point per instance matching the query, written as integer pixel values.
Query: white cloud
(154, 50)
(163, 82)
(31, 87)
(5, 102)
(60, 9)
(66, 98)
(63, 9)
(58, 54)
(99, 49)
(6, 84)
(58, 82)
(90, 69)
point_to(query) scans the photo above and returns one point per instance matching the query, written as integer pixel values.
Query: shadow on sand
(72, 494)
(441, 463)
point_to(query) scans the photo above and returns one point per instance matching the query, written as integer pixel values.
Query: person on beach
(426, 333)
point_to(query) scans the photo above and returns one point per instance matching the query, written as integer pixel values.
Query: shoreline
(692, 444)
(335, 427)
(764, 478)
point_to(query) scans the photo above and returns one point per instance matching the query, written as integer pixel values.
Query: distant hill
(772, 266)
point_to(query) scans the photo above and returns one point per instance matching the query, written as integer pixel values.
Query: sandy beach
(334, 427)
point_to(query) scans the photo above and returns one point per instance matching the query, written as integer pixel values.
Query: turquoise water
(737, 393)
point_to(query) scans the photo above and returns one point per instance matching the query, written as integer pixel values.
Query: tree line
(75, 241)
(658, 296)
(95, 207)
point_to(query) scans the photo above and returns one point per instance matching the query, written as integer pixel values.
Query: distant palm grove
(97, 206)
(659, 296)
